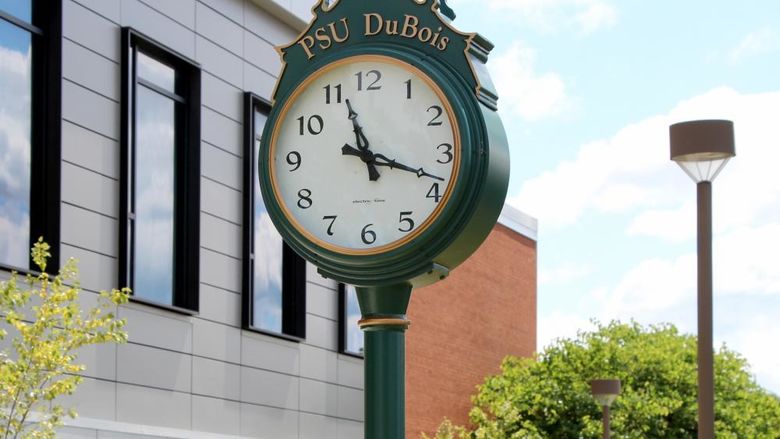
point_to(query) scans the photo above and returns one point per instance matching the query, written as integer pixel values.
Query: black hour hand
(381, 160)
(364, 155)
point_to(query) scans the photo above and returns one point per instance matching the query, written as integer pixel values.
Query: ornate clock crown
(343, 24)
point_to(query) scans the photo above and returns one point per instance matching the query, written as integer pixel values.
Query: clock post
(384, 325)
(384, 164)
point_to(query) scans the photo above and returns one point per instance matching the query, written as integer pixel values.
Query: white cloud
(752, 340)
(554, 15)
(268, 255)
(631, 172)
(558, 325)
(524, 92)
(755, 43)
(563, 274)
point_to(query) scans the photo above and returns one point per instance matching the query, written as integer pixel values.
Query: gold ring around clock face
(364, 155)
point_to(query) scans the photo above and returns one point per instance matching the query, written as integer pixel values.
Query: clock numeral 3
(408, 221)
(447, 153)
(294, 159)
(327, 93)
(433, 192)
(368, 236)
(332, 219)
(435, 122)
(377, 76)
(304, 199)
(314, 126)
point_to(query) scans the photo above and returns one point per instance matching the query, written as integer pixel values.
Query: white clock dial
(364, 154)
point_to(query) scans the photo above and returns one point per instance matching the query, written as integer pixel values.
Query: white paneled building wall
(191, 375)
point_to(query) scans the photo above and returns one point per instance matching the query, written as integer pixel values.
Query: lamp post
(605, 392)
(702, 148)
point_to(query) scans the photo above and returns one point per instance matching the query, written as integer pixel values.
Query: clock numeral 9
(377, 76)
(332, 219)
(433, 192)
(368, 236)
(314, 125)
(447, 153)
(435, 122)
(327, 93)
(408, 221)
(304, 199)
(294, 159)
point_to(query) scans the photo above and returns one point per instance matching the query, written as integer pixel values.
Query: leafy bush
(549, 396)
(47, 327)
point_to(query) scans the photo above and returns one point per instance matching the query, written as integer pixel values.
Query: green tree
(47, 327)
(549, 396)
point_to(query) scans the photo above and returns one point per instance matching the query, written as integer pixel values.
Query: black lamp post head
(605, 391)
(702, 147)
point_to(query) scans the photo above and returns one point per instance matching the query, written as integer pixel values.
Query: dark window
(30, 75)
(274, 276)
(350, 335)
(159, 244)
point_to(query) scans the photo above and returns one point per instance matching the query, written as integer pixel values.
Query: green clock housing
(383, 160)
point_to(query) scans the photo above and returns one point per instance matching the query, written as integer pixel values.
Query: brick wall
(464, 326)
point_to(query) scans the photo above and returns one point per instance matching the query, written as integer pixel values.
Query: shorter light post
(605, 392)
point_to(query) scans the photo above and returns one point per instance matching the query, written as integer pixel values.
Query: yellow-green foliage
(448, 430)
(46, 327)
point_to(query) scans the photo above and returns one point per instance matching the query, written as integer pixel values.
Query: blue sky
(587, 91)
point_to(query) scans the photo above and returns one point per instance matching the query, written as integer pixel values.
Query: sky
(587, 91)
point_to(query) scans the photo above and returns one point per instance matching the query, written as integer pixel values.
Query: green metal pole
(384, 324)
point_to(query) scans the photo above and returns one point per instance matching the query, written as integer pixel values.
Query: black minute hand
(381, 160)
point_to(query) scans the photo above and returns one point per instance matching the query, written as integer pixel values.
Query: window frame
(343, 332)
(293, 266)
(46, 128)
(186, 172)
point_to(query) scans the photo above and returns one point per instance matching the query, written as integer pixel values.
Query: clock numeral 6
(433, 192)
(294, 159)
(314, 125)
(368, 236)
(447, 153)
(332, 219)
(304, 199)
(408, 221)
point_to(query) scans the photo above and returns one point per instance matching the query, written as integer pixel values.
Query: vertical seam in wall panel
(192, 383)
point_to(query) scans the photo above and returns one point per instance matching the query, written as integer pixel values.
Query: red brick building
(464, 326)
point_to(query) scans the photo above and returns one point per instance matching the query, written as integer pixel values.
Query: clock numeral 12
(314, 125)
(327, 93)
(408, 89)
(377, 76)
(433, 192)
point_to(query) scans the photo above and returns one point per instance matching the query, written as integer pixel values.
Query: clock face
(364, 154)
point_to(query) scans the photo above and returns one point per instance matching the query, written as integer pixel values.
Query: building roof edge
(519, 222)
(281, 10)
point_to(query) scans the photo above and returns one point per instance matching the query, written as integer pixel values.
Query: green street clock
(383, 160)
